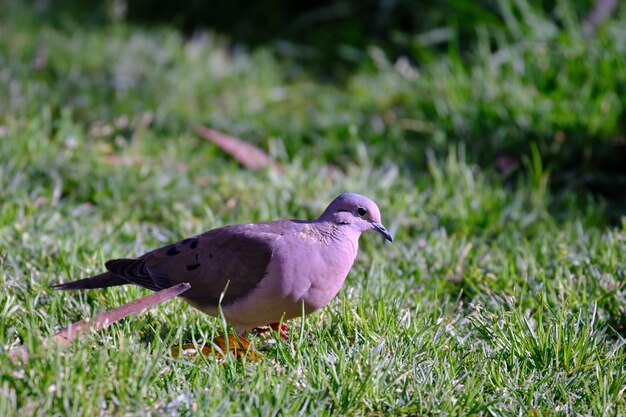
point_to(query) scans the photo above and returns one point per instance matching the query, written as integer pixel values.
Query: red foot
(282, 330)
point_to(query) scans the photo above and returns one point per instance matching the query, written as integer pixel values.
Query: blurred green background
(515, 83)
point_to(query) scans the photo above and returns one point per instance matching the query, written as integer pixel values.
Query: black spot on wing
(172, 251)
(191, 241)
(192, 267)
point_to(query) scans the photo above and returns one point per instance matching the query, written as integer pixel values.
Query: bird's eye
(361, 211)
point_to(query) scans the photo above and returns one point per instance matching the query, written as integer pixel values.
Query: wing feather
(232, 258)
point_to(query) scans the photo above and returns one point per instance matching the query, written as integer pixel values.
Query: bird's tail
(105, 279)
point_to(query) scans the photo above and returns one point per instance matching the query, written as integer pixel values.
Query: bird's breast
(317, 281)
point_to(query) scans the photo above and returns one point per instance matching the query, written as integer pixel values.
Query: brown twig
(245, 153)
(600, 12)
(105, 319)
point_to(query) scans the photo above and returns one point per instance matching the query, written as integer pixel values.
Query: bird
(258, 274)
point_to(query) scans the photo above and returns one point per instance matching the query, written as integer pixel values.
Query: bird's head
(357, 212)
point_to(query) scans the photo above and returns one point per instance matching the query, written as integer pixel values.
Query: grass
(489, 302)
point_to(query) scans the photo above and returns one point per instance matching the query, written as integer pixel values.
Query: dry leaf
(238, 346)
(124, 160)
(105, 319)
(245, 153)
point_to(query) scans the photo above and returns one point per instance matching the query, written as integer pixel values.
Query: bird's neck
(323, 232)
(346, 240)
(331, 232)
(328, 232)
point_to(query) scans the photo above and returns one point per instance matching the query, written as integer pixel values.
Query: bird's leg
(281, 328)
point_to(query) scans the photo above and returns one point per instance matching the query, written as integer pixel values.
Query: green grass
(498, 296)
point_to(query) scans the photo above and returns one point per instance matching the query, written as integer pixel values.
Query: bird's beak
(381, 229)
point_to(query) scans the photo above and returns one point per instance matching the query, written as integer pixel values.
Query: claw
(282, 331)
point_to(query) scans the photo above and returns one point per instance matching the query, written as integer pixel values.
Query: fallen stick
(600, 12)
(101, 321)
(245, 153)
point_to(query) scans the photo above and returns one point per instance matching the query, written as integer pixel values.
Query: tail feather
(103, 280)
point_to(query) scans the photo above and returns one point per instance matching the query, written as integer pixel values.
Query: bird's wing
(230, 259)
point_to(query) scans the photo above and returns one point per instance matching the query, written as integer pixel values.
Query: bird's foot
(220, 346)
(281, 328)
